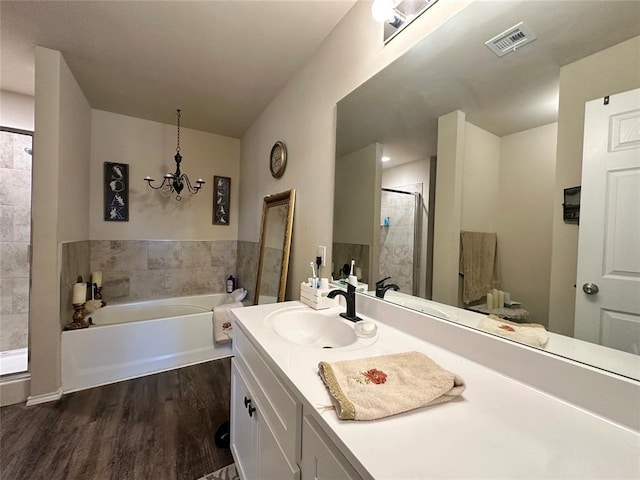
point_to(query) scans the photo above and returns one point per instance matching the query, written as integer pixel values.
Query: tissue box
(316, 298)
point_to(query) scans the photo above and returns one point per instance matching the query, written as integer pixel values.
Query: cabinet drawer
(280, 409)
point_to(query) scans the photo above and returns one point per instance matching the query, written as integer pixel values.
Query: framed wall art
(221, 198)
(116, 192)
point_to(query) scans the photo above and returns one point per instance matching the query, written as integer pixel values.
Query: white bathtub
(135, 339)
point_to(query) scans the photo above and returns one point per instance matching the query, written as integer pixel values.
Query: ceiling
(452, 69)
(221, 62)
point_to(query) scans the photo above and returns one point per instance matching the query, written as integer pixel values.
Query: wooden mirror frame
(288, 199)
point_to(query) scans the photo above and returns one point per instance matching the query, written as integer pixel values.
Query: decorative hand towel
(479, 264)
(532, 334)
(377, 387)
(222, 322)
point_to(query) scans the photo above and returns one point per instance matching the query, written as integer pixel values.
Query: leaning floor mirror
(275, 245)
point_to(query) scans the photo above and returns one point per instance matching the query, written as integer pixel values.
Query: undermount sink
(315, 328)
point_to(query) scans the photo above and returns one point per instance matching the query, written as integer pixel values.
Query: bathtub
(131, 340)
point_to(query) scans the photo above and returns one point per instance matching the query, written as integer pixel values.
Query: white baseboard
(47, 397)
(14, 390)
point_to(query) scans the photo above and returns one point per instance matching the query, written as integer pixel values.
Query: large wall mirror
(518, 123)
(275, 245)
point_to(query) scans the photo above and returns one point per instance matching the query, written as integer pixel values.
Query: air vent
(511, 39)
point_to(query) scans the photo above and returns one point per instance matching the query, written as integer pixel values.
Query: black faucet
(381, 288)
(350, 297)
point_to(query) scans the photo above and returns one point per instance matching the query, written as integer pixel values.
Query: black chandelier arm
(166, 182)
(193, 189)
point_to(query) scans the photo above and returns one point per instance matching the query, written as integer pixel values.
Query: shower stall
(400, 238)
(15, 241)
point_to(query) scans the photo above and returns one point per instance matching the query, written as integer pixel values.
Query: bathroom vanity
(524, 413)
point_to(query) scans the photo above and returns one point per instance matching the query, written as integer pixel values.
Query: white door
(608, 276)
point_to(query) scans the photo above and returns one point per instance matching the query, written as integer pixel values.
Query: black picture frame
(116, 192)
(221, 200)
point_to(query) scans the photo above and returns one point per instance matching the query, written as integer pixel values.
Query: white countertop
(500, 428)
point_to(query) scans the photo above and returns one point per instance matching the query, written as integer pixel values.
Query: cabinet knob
(247, 402)
(251, 410)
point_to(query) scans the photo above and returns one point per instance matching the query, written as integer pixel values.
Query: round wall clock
(278, 159)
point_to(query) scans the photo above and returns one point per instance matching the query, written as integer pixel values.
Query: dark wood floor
(159, 427)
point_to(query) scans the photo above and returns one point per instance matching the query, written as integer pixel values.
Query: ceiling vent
(509, 40)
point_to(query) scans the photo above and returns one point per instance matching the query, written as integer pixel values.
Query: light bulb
(382, 10)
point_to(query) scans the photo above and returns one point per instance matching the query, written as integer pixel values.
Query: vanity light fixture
(396, 15)
(175, 182)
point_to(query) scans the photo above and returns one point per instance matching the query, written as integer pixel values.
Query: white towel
(532, 334)
(223, 322)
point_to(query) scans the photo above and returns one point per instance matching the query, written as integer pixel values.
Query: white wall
(525, 215)
(349, 224)
(611, 71)
(148, 148)
(16, 110)
(446, 241)
(59, 207)
(303, 116)
(480, 180)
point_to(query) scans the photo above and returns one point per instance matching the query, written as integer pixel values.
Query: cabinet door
(244, 441)
(321, 459)
(272, 462)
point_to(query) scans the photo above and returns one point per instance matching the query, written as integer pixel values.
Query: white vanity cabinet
(265, 418)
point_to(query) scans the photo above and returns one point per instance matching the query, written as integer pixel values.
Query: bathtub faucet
(350, 297)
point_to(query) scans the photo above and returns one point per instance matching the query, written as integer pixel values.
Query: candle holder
(98, 295)
(78, 318)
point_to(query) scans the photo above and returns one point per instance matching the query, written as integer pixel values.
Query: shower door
(400, 227)
(15, 240)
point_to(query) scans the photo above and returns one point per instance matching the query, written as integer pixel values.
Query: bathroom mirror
(395, 114)
(275, 245)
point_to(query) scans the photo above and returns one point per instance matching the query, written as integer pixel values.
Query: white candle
(96, 277)
(507, 298)
(490, 300)
(79, 293)
(500, 299)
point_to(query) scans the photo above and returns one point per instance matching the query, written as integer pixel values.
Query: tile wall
(136, 270)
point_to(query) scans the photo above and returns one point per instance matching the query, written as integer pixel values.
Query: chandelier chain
(178, 146)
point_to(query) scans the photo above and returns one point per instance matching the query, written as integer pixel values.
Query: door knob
(590, 288)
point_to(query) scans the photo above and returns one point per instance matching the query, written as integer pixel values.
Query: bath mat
(225, 473)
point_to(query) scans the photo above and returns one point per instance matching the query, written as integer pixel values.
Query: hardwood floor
(158, 427)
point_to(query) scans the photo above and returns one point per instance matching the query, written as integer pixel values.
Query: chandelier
(175, 183)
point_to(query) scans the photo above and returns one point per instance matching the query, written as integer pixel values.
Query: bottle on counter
(231, 284)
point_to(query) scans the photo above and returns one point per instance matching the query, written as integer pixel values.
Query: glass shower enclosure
(400, 232)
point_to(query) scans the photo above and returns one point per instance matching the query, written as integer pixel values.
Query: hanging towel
(532, 334)
(222, 322)
(479, 264)
(377, 387)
